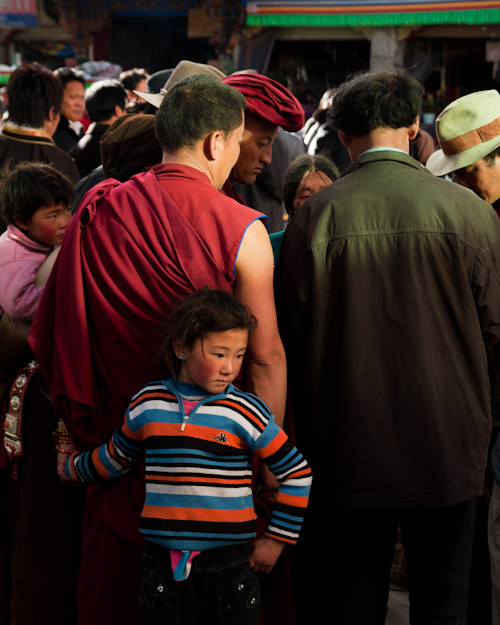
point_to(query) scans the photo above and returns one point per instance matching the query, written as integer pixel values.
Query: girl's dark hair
(206, 311)
(29, 186)
(302, 165)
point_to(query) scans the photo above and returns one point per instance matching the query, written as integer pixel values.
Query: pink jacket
(20, 258)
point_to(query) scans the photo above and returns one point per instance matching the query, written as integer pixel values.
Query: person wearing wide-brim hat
(183, 69)
(468, 131)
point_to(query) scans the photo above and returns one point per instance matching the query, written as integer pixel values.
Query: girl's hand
(269, 484)
(265, 552)
(63, 453)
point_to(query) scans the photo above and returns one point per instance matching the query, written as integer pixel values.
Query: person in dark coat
(35, 97)
(388, 295)
(105, 102)
(70, 128)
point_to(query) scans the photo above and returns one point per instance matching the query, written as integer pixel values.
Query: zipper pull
(183, 426)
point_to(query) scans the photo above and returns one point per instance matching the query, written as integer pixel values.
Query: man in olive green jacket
(388, 289)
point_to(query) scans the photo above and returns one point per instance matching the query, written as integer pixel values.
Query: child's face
(215, 362)
(47, 224)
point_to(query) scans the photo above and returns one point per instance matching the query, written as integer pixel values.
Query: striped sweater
(199, 466)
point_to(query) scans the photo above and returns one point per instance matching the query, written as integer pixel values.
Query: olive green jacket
(388, 292)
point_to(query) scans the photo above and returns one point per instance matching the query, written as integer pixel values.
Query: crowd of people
(238, 353)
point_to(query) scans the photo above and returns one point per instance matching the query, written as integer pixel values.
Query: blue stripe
(287, 462)
(198, 501)
(284, 515)
(299, 491)
(175, 452)
(198, 536)
(295, 527)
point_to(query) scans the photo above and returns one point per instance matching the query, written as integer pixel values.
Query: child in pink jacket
(35, 200)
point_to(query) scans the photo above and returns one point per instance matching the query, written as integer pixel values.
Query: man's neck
(191, 159)
(380, 138)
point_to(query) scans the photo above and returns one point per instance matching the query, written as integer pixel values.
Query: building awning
(371, 12)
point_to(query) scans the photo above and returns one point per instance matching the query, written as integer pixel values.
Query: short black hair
(32, 92)
(69, 74)
(376, 100)
(130, 78)
(102, 97)
(195, 107)
(29, 186)
(302, 165)
(203, 312)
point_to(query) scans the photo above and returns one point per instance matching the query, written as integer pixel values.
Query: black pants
(341, 565)
(221, 589)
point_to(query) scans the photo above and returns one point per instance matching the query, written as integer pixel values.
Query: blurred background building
(453, 46)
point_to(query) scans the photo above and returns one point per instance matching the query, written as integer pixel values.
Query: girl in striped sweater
(198, 434)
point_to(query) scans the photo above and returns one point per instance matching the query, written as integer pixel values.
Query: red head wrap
(268, 99)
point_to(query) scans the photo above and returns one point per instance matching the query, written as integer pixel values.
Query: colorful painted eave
(371, 12)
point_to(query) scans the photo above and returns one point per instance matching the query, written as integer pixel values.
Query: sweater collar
(192, 390)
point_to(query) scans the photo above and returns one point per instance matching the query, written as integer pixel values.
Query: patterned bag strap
(12, 426)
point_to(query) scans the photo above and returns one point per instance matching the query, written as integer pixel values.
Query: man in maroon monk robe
(131, 252)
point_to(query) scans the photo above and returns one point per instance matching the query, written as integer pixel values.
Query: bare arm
(265, 361)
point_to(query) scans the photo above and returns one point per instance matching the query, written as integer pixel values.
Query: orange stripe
(98, 464)
(199, 514)
(273, 446)
(292, 500)
(281, 538)
(300, 473)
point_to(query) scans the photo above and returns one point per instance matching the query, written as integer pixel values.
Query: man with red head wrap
(269, 106)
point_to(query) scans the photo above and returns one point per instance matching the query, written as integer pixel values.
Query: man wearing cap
(134, 250)
(388, 294)
(468, 131)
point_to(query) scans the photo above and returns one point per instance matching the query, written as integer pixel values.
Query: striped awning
(371, 12)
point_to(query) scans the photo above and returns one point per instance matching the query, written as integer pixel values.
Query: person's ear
(53, 115)
(413, 129)
(214, 144)
(345, 139)
(20, 223)
(179, 349)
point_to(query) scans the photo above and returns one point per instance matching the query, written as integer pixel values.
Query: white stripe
(154, 404)
(114, 463)
(198, 491)
(281, 532)
(232, 415)
(292, 469)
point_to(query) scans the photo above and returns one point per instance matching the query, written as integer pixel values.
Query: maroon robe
(130, 254)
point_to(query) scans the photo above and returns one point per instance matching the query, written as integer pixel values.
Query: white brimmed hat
(468, 129)
(183, 69)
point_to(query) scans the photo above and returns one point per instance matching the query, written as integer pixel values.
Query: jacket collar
(384, 155)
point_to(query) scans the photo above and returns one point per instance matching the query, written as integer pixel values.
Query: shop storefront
(452, 46)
